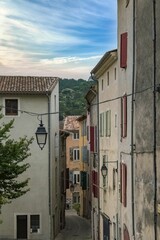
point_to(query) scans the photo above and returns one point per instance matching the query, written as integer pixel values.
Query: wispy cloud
(49, 33)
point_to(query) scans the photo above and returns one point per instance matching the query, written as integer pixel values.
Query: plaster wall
(36, 201)
(125, 24)
(109, 145)
(144, 120)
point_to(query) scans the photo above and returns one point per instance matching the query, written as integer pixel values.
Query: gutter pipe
(154, 121)
(132, 125)
(49, 164)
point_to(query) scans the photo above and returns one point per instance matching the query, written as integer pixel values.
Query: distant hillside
(71, 96)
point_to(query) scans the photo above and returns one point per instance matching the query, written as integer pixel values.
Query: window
(92, 139)
(76, 135)
(108, 123)
(115, 74)
(11, 107)
(123, 182)
(114, 178)
(95, 184)
(101, 124)
(35, 223)
(76, 154)
(84, 178)
(76, 177)
(115, 123)
(107, 78)
(55, 103)
(102, 84)
(123, 50)
(67, 178)
(124, 116)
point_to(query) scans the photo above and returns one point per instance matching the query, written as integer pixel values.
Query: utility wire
(108, 100)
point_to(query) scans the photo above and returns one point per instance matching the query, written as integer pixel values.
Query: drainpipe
(98, 150)
(132, 125)
(49, 164)
(154, 121)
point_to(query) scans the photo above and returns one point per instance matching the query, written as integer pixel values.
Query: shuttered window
(76, 154)
(108, 123)
(124, 116)
(123, 179)
(92, 139)
(101, 124)
(84, 154)
(67, 178)
(95, 184)
(76, 177)
(123, 50)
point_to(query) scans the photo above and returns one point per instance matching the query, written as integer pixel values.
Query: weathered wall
(144, 119)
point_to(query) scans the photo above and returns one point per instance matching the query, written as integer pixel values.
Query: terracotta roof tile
(26, 84)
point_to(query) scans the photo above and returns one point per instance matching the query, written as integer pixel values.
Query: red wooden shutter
(123, 50)
(124, 116)
(92, 139)
(95, 139)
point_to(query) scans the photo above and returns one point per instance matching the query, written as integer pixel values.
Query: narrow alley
(77, 228)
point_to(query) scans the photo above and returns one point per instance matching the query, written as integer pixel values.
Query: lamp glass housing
(41, 136)
(104, 170)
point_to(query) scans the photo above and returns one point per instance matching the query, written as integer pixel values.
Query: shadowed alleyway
(77, 228)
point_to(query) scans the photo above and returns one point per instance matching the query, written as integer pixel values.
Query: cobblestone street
(77, 228)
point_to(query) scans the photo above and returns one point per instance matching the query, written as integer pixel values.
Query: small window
(101, 124)
(102, 84)
(11, 107)
(115, 121)
(108, 123)
(124, 116)
(75, 154)
(55, 103)
(114, 178)
(123, 180)
(107, 78)
(76, 177)
(115, 74)
(35, 223)
(76, 135)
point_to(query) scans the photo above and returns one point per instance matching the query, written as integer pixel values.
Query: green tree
(12, 156)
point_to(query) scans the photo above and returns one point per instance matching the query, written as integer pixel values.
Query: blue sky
(59, 38)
